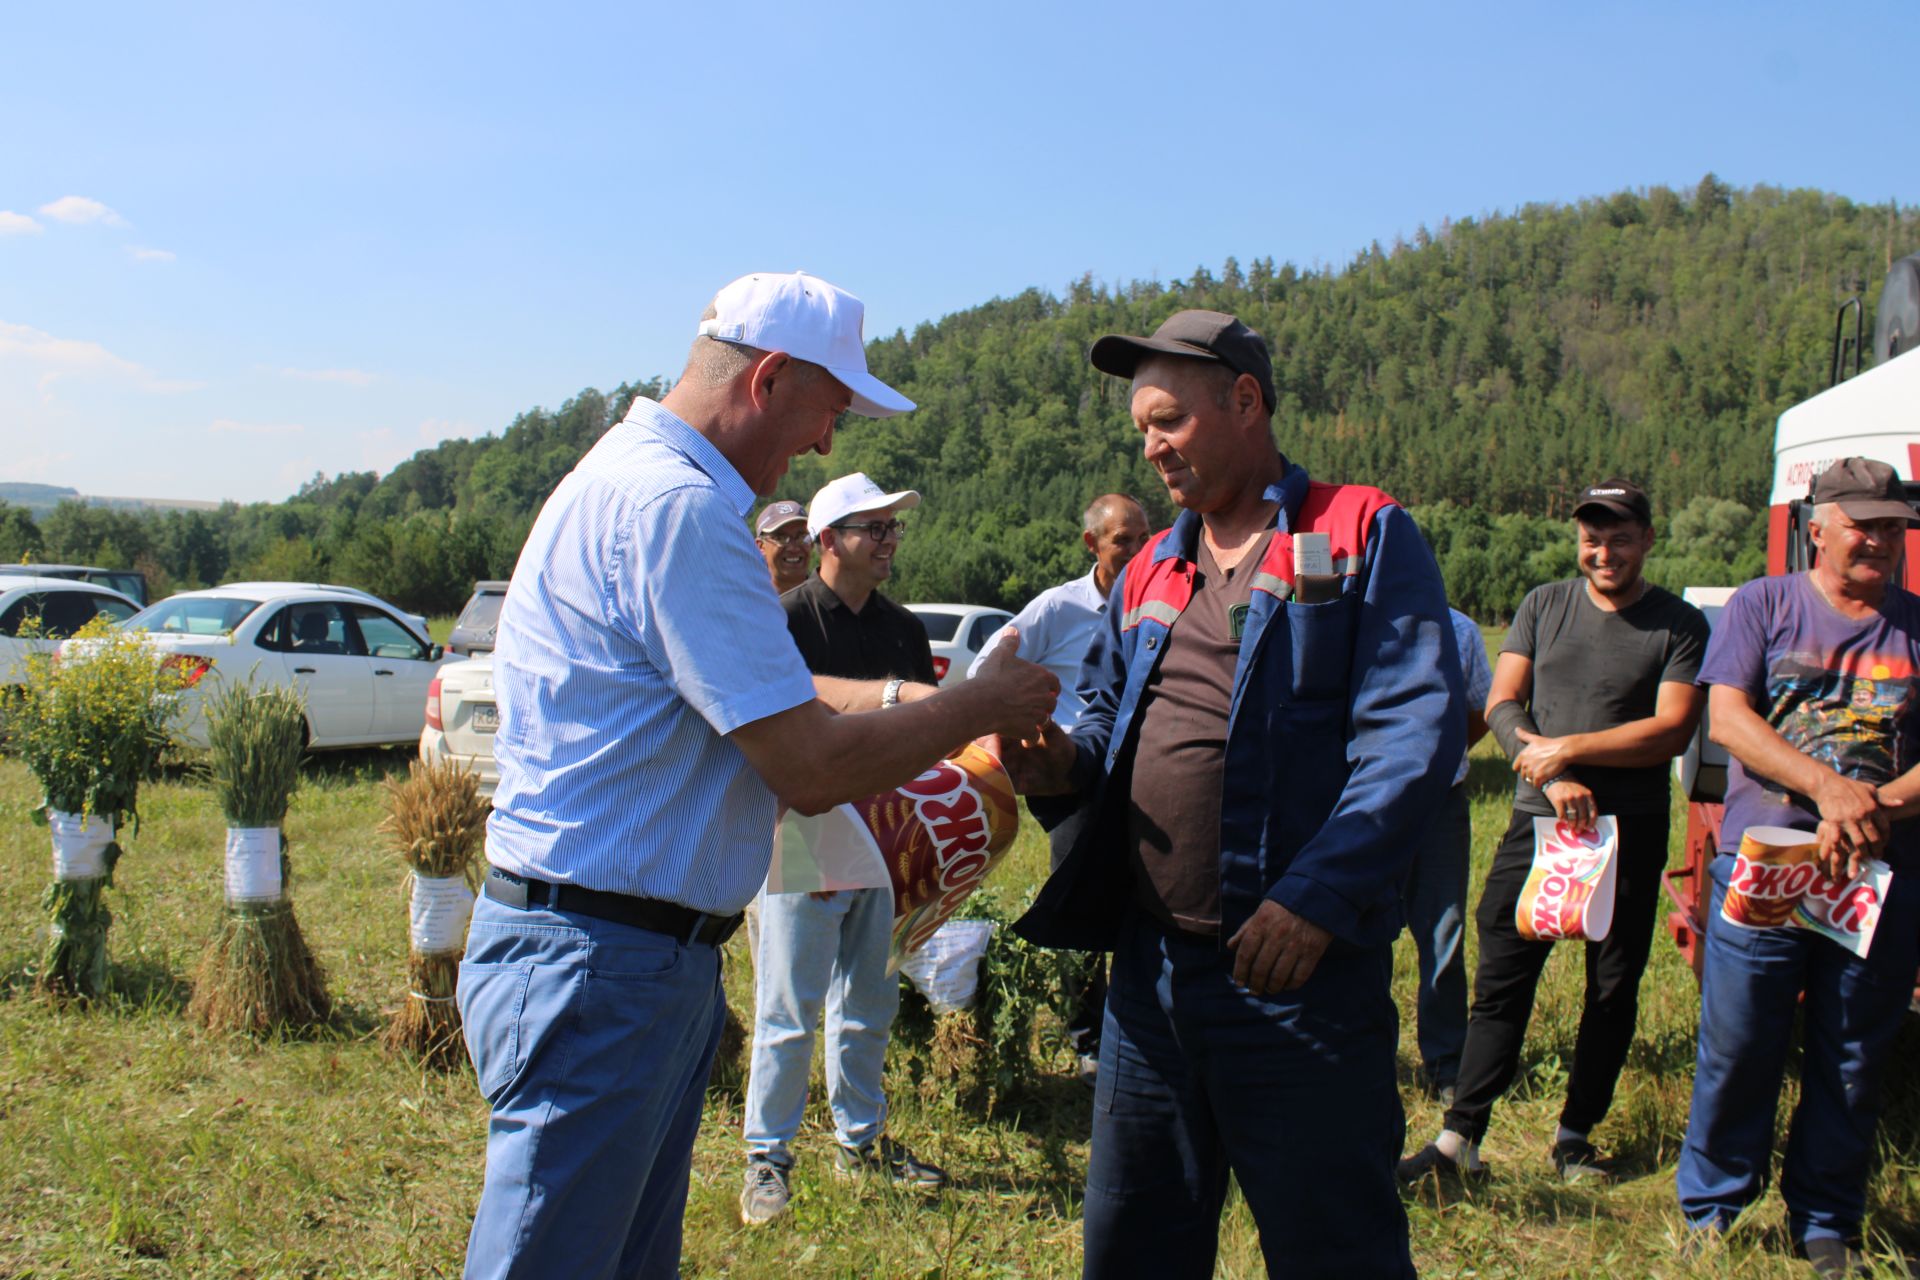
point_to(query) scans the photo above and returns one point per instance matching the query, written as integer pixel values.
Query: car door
(982, 629)
(16, 609)
(317, 645)
(403, 667)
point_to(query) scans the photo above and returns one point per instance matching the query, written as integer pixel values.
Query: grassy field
(137, 1146)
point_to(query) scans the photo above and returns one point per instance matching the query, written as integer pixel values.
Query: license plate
(486, 718)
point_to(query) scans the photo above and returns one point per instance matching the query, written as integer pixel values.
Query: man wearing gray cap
(1265, 704)
(781, 535)
(1814, 688)
(643, 750)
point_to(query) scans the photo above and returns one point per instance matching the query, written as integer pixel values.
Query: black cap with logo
(1865, 489)
(1198, 335)
(1615, 500)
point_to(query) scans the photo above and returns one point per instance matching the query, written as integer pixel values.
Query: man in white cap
(829, 950)
(643, 752)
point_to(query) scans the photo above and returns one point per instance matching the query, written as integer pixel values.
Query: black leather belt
(669, 918)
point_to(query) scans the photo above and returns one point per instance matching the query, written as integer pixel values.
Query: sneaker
(1831, 1257)
(766, 1193)
(1577, 1160)
(891, 1159)
(1431, 1161)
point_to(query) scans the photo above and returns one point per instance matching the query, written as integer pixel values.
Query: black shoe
(1831, 1257)
(891, 1159)
(1431, 1161)
(1577, 1160)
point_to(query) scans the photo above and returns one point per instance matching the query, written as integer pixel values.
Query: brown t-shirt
(1173, 811)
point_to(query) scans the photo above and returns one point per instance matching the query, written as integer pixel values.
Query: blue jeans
(1292, 1093)
(815, 954)
(1435, 898)
(1749, 993)
(592, 1041)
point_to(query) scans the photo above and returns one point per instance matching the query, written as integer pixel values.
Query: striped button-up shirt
(640, 629)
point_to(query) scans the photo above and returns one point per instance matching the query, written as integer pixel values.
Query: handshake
(1017, 700)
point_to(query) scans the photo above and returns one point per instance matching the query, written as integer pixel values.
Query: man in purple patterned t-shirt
(1814, 684)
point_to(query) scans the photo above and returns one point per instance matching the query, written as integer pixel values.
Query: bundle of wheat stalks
(257, 974)
(437, 818)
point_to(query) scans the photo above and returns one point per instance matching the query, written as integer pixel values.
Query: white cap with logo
(810, 320)
(840, 498)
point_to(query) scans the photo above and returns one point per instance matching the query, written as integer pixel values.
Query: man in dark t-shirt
(1592, 696)
(1814, 681)
(829, 950)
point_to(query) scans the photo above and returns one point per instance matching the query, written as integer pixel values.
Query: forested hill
(1482, 372)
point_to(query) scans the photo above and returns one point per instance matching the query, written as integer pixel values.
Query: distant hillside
(1482, 371)
(42, 498)
(35, 497)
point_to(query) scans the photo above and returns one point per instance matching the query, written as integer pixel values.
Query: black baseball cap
(1198, 335)
(1619, 499)
(1865, 490)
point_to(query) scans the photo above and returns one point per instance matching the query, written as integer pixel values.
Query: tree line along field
(1482, 371)
(136, 1145)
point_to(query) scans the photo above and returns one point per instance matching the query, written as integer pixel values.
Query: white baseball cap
(808, 319)
(840, 498)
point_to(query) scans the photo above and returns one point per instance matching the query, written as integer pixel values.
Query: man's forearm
(1504, 718)
(1762, 751)
(1636, 744)
(845, 695)
(1902, 796)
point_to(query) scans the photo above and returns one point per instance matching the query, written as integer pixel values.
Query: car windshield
(940, 626)
(482, 612)
(193, 616)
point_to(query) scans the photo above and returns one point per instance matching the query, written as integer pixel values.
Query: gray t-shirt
(1595, 670)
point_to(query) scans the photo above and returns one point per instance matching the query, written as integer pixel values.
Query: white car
(957, 633)
(61, 606)
(362, 665)
(462, 719)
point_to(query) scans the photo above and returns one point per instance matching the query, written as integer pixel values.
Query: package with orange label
(1777, 883)
(932, 841)
(1569, 892)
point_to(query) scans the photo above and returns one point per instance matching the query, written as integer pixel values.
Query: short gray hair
(1104, 508)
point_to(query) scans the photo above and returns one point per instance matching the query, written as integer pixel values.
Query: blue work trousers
(1435, 898)
(592, 1041)
(1292, 1093)
(1749, 994)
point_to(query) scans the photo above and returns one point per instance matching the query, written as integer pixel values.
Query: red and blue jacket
(1347, 722)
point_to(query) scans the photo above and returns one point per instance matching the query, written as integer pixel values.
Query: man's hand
(1838, 860)
(1860, 817)
(1573, 804)
(1022, 694)
(1039, 766)
(1276, 950)
(1542, 757)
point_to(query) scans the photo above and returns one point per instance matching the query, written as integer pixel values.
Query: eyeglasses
(878, 530)
(785, 539)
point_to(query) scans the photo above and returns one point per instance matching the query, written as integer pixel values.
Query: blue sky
(243, 243)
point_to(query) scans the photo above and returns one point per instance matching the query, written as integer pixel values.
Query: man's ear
(1247, 399)
(1093, 544)
(762, 376)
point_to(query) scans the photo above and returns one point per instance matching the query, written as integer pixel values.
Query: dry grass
(437, 820)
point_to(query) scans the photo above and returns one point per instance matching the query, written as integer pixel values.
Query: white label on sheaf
(1312, 555)
(439, 909)
(253, 864)
(79, 845)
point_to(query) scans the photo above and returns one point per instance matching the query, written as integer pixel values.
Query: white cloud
(81, 211)
(140, 253)
(56, 358)
(227, 426)
(34, 468)
(17, 224)
(346, 377)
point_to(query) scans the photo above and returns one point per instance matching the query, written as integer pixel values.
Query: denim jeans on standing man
(816, 954)
(1436, 904)
(592, 1041)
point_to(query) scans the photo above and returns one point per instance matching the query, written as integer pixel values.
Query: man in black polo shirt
(830, 949)
(1592, 696)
